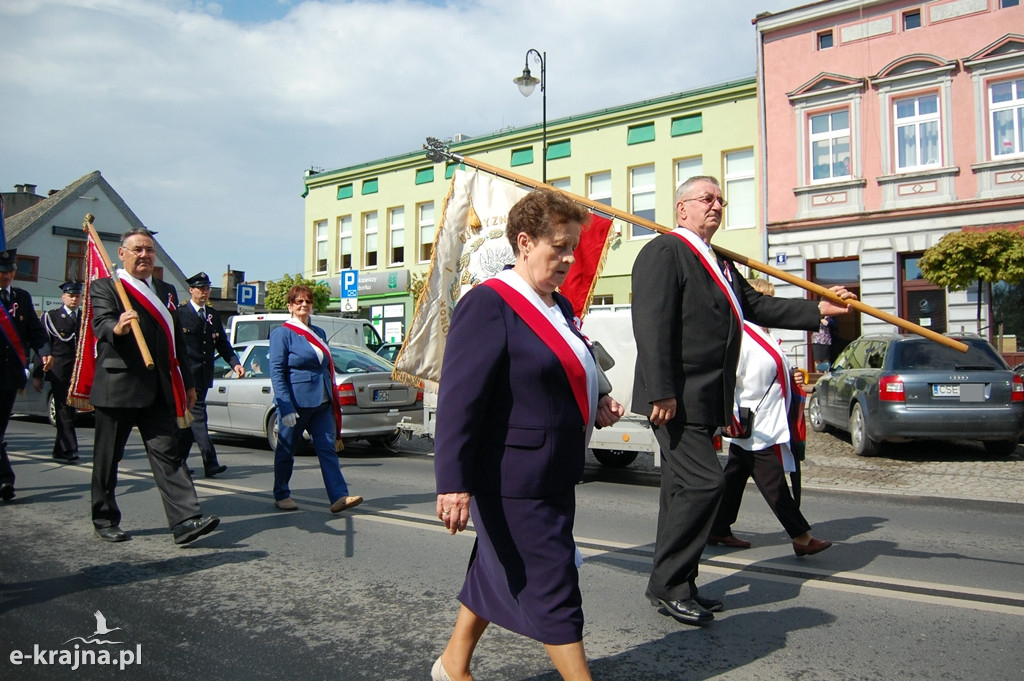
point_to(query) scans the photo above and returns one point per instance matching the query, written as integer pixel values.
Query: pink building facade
(884, 126)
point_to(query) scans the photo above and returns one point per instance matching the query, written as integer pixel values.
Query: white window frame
(643, 192)
(320, 262)
(686, 168)
(370, 245)
(396, 235)
(917, 122)
(834, 138)
(345, 243)
(427, 229)
(740, 189)
(1015, 105)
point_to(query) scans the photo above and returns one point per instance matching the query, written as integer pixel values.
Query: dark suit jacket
(122, 379)
(687, 339)
(203, 337)
(64, 326)
(33, 337)
(507, 422)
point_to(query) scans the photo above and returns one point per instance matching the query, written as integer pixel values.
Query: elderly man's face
(138, 255)
(200, 294)
(700, 210)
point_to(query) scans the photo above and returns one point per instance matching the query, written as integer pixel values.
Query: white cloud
(204, 119)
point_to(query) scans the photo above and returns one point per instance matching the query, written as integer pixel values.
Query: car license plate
(381, 395)
(945, 390)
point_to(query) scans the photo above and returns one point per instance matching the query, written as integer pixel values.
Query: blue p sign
(350, 283)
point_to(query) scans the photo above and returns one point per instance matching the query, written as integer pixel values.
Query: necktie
(6, 297)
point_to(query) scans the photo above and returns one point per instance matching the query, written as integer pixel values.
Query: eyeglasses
(141, 250)
(709, 200)
(303, 301)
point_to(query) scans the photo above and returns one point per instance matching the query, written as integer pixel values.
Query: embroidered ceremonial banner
(85, 355)
(470, 247)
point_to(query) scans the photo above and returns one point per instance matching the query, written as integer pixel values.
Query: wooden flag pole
(122, 294)
(438, 152)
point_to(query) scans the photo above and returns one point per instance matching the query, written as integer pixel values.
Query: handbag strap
(763, 397)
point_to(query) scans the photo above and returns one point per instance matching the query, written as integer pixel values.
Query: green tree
(277, 292)
(961, 258)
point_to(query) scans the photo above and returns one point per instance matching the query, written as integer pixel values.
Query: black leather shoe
(194, 528)
(111, 534)
(216, 470)
(6, 491)
(710, 604)
(70, 457)
(686, 611)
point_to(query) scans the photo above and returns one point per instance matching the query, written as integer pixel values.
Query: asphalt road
(915, 587)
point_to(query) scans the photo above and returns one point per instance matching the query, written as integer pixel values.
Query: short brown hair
(298, 289)
(538, 212)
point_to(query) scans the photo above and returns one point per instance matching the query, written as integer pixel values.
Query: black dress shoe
(194, 528)
(711, 604)
(216, 470)
(6, 491)
(112, 533)
(70, 457)
(686, 611)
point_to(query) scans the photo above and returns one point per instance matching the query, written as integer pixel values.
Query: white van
(340, 331)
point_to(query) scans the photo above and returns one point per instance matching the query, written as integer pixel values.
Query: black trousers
(7, 398)
(159, 429)
(66, 442)
(770, 478)
(691, 487)
(199, 434)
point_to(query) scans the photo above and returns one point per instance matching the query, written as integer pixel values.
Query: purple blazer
(507, 422)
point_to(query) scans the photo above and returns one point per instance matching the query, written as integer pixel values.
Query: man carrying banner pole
(20, 333)
(127, 393)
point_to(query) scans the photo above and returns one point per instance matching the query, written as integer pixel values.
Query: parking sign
(246, 294)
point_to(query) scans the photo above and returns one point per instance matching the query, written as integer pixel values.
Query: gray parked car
(895, 388)
(372, 403)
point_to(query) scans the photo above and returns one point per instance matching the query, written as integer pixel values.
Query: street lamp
(527, 83)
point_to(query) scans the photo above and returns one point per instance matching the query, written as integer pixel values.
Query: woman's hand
(609, 411)
(453, 510)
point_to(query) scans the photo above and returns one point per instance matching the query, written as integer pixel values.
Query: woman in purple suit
(518, 399)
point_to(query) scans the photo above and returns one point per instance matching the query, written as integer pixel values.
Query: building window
(561, 149)
(687, 168)
(522, 157)
(28, 268)
(638, 134)
(825, 40)
(1006, 104)
(74, 261)
(922, 302)
(642, 199)
(830, 145)
(370, 239)
(917, 132)
(1008, 3)
(345, 242)
(370, 186)
(449, 169)
(912, 20)
(562, 183)
(345, 191)
(739, 189)
(320, 227)
(687, 125)
(425, 175)
(601, 300)
(396, 235)
(425, 225)
(599, 188)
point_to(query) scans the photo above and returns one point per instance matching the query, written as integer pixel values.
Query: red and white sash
(703, 251)
(550, 336)
(321, 349)
(11, 334)
(770, 346)
(145, 297)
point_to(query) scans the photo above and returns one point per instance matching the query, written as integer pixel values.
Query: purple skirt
(522, 573)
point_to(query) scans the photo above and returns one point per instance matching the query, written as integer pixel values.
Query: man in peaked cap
(204, 337)
(20, 333)
(61, 325)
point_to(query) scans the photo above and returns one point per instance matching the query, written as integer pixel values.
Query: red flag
(590, 254)
(85, 356)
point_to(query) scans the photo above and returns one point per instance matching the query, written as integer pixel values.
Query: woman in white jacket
(764, 385)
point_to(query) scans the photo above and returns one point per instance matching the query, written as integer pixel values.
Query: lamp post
(527, 83)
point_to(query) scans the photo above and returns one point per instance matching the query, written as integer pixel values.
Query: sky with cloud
(204, 115)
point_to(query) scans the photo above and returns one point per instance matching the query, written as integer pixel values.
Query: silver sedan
(372, 403)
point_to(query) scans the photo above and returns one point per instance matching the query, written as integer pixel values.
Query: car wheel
(614, 458)
(1000, 447)
(388, 442)
(51, 410)
(272, 431)
(814, 416)
(862, 444)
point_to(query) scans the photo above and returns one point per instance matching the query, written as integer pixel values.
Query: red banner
(85, 357)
